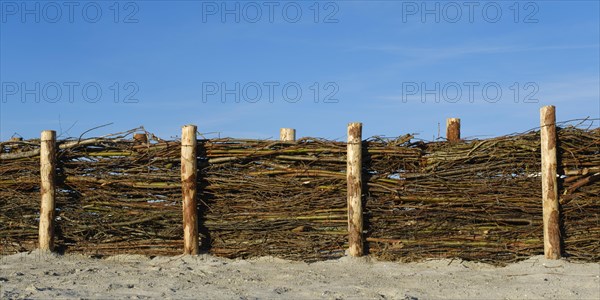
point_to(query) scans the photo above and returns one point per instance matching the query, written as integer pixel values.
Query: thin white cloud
(572, 89)
(456, 51)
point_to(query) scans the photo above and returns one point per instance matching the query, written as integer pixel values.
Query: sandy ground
(44, 276)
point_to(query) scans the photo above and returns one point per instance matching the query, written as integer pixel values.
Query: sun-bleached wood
(453, 129)
(552, 247)
(354, 189)
(287, 134)
(188, 186)
(47, 189)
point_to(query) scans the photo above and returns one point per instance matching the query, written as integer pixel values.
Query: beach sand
(40, 275)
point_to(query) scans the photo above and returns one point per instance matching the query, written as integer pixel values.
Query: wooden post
(552, 248)
(287, 134)
(48, 189)
(453, 129)
(354, 186)
(188, 187)
(140, 138)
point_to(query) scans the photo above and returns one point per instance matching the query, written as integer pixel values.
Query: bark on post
(48, 189)
(287, 134)
(188, 187)
(552, 247)
(453, 129)
(354, 186)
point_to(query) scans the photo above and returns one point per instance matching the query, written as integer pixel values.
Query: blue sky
(369, 60)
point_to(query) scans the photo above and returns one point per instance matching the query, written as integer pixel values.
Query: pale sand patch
(41, 275)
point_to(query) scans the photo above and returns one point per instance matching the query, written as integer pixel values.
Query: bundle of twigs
(273, 198)
(123, 196)
(473, 200)
(114, 195)
(579, 152)
(481, 200)
(19, 190)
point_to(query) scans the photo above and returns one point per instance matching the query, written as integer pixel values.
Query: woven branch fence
(473, 199)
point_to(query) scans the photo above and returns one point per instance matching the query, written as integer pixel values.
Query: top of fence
(17, 148)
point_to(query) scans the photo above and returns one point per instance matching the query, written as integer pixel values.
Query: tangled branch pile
(476, 200)
(19, 197)
(579, 158)
(114, 195)
(275, 198)
(123, 196)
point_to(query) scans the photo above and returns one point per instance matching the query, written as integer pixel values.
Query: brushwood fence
(471, 199)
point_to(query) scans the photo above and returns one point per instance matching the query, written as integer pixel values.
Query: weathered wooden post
(48, 189)
(354, 186)
(552, 247)
(287, 134)
(188, 187)
(453, 129)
